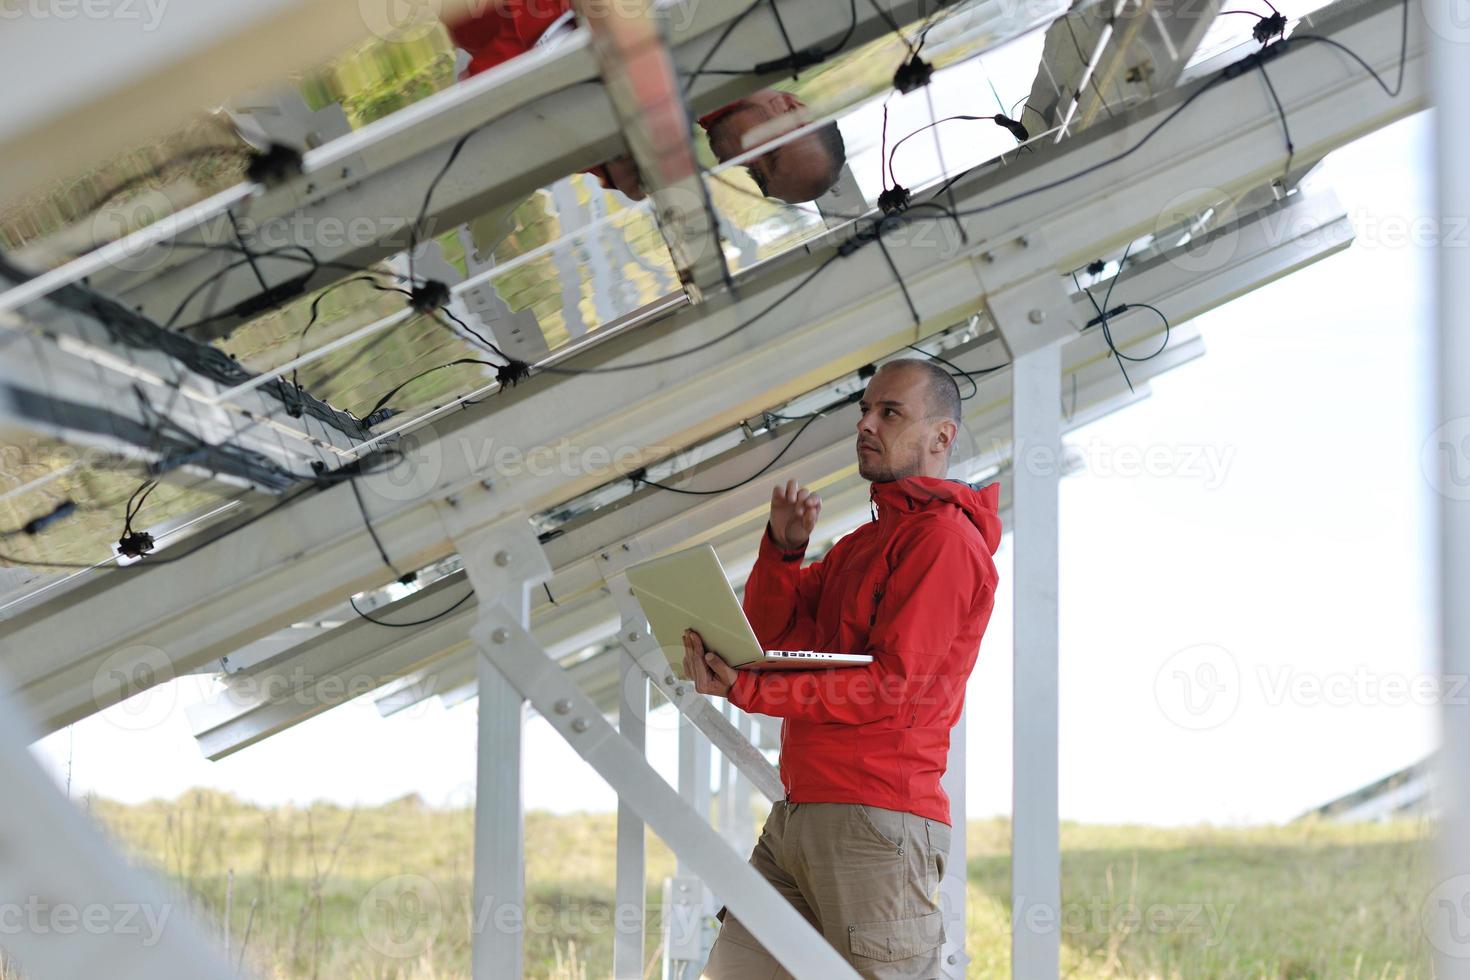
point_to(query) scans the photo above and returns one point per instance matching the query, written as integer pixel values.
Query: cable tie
(432, 295)
(1104, 317)
(277, 164)
(1268, 27)
(912, 74)
(894, 200)
(135, 545)
(1012, 126)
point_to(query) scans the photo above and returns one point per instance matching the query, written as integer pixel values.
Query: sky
(1246, 631)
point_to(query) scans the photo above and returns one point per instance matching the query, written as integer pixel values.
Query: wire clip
(912, 74)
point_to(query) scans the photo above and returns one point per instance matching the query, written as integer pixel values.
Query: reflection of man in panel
(801, 170)
(861, 841)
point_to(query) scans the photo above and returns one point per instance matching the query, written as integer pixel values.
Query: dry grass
(319, 892)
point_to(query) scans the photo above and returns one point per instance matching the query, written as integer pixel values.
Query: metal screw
(604, 555)
(1037, 316)
(502, 558)
(1025, 241)
(987, 256)
(953, 959)
(633, 635)
(488, 484)
(564, 706)
(669, 679)
(580, 724)
(679, 691)
(500, 635)
(452, 500)
(625, 547)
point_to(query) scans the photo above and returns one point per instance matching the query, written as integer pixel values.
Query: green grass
(316, 890)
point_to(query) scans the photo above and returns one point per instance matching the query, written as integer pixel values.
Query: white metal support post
(1034, 314)
(952, 893)
(1447, 908)
(630, 913)
(508, 560)
(501, 583)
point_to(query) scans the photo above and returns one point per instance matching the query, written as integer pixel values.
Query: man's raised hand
(794, 513)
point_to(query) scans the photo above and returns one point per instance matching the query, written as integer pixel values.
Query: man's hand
(710, 674)
(793, 515)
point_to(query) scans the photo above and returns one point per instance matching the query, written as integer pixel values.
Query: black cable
(1066, 19)
(960, 372)
(1285, 127)
(413, 229)
(1398, 86)
(324, 481)
(1017, 131)
(754, 476)
(417, 622)
(373, 533)
(249, 255)
(793, 61)
(703, 67)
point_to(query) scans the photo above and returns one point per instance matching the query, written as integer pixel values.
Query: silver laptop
(689, 590)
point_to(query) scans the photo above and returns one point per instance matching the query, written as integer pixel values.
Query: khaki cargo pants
(865, 878)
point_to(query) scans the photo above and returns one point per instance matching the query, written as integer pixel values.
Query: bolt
(1037, 316)
(452, 500)
(580, 724)
(500, 635)
(625, 546)
(604, 555)
(1025, 241)
(988, 256)
(679, 691)
(669, 679)
(488, 484)
(563, 706)
(953, 959)
(633, 635)
(502, 558)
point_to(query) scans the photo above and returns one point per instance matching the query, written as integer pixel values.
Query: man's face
(795, 171)
(897, 432)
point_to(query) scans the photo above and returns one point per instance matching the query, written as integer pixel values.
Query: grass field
(385, 892)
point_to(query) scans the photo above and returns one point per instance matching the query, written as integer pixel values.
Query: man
(801, 170)
(862, 839)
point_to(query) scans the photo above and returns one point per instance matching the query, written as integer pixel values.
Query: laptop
(689, 590)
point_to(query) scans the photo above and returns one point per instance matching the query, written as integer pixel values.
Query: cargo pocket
(899, 939)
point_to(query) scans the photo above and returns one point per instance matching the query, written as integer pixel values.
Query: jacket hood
(914, 493)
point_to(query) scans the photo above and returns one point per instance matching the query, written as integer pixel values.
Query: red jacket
(914, 588)
(503, 30)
